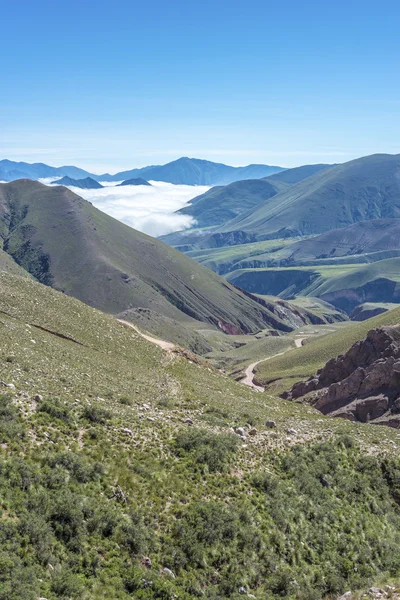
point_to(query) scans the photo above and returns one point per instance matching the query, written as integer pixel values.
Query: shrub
(55, 409)
(96, 414)
(214, 450)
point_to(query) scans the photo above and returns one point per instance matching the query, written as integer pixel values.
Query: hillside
(84, 184)
(359, 190)
(65, 242)
(375, 282)
(121, 477)
(360, 385)
(297, 174)
(220, 204)
(281, 372)
(361, 238)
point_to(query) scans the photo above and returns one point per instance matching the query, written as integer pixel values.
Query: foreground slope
(120, 476)
(65, 242)
(359, 190)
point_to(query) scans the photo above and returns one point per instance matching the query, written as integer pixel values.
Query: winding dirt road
(161, 343)
(248, 379)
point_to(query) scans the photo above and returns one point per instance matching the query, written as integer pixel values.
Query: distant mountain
(359, 190)
(193, 171)
(84, 184)
(188, 171)
(65, 242)
(137, 181)
(10, 171)
(222, 203)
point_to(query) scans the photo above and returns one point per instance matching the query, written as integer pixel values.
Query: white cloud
(148, 209)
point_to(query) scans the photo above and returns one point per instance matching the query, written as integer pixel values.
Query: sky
(115, 85)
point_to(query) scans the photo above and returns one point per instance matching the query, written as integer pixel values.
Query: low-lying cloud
(148, 209)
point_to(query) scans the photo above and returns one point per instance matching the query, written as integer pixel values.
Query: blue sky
(112, 85)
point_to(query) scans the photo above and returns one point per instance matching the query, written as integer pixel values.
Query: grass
(104, 484)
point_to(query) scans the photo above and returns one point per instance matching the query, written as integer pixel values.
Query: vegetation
(120, 475)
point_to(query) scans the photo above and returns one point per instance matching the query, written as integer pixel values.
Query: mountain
(63, 241)
(220, 204)
(10, 171)
(194, 171)
(359, 190)
(137, 181)
(188, 171)
(121, 475)
(84, 184)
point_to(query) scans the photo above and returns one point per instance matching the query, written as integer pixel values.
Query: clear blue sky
(110, 85)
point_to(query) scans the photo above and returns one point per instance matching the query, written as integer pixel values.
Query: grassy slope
(167, 329)
(10, 266)
(361, 238)
(220, 204)
(366, 188)
(66, 242)
(287, 281)
(303, 362)
(220, 516)
(223, 260)
(297, 174)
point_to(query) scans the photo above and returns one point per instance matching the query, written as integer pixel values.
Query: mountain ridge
(184, 170)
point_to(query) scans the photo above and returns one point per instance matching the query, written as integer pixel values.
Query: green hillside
(65, 242)
(362, 238)
(220, 204)
(376, 282)
(108, 491)
(297, 174)
(362, 189)
(281, 372)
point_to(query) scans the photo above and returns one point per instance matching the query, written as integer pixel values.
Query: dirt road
(161, 343)
(248, 379)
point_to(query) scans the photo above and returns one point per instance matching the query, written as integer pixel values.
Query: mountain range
(188, 171)
(65, 242)
(84, 184)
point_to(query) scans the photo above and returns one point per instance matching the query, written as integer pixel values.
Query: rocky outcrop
(361, 385)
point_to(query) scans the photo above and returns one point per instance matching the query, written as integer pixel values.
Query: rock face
(361, 385)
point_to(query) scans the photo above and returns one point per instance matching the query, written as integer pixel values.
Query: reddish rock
(363, 384)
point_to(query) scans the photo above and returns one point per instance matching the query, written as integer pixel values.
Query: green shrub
(55, 409)
(96, 414)
(213, 450)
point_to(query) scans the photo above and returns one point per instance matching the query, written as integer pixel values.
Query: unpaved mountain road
(248, 379)
(161, 343)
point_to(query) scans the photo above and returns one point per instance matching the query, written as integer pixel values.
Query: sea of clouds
(148, 209)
